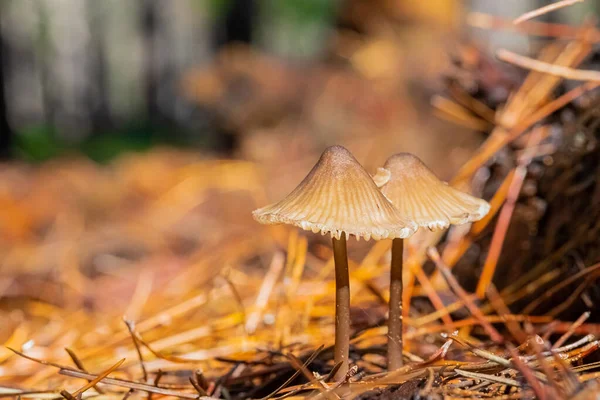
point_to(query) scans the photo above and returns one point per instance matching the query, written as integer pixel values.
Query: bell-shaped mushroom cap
(337, 196)
(424, 199)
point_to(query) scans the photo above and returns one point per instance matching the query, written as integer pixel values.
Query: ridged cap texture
(424, 199)
(338, 196)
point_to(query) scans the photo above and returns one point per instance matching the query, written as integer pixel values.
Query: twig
(237, 298)
(333, 371)
(266, 289)
(67, 395)
(456, 113)
(197, 386)
(536, 342)
(551, 69)
(97, 380)
(505, 217)
(79, 365)
(131, 327)
(545, 10)
(296, 374)
(201, 379)
(460, 292)
(528, 374)
(302, 368)
(130, 385)
(491, 378)
(67, 371)
(157, 378)
(481, 158)
(537, 28)
(502, 309)
(571, 330)
(486, 355)
(549, 293)
(433, 295)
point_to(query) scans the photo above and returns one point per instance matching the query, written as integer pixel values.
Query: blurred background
(102, 77)
(137, 136)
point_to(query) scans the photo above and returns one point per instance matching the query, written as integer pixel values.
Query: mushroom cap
(337, 196)
(423, 198)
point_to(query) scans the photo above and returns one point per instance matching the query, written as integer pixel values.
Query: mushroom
(340, 198)
(421, 197)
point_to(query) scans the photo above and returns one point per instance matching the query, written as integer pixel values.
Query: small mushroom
(421, 197)
(340, 198)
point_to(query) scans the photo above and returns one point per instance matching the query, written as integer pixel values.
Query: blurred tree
(97, 97)
(45, 52)
(149, 27)
(237, 23)
(5, 131)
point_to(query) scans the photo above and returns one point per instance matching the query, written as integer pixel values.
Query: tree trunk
(5, 131)
(149, 26)
(237, 24)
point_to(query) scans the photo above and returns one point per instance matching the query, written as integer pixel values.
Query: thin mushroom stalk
(394, 344)
(342, 306)
(338, 197)
(424, 200)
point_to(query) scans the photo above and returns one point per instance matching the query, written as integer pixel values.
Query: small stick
(68, 371)
(79, 365)
(486, 377)
(527, 373)
(201, 379)
(429, 384)
(547, 68)
(264, 294)
(197, 386)
(433, 296)
(464, 98)
(571, 330)
(157, 378)
(505, 216)
(454, 112)
(491, 261)
(460, 292)
(537, 28)
(296, 374)
(502, 309)
(332, 373)
(486, 355)
(495, 144)
(536, 342)
(131, 327)
(130, 385)
(237, 298)
(298, 366)
(555, 289)
(67, 395)
(545, 10)
(465, 322)
(99, 378)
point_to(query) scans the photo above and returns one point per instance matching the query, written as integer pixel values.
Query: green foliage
(41, 143)
(38, 143)
(216, 8)
(301, 10)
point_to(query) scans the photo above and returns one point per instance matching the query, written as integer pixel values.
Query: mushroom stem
(342, 306)
(394, 348)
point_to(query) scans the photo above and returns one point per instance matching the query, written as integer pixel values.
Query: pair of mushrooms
(340, 198)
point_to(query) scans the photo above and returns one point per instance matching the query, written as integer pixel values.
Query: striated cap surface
(424, 199)
(337, 196)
